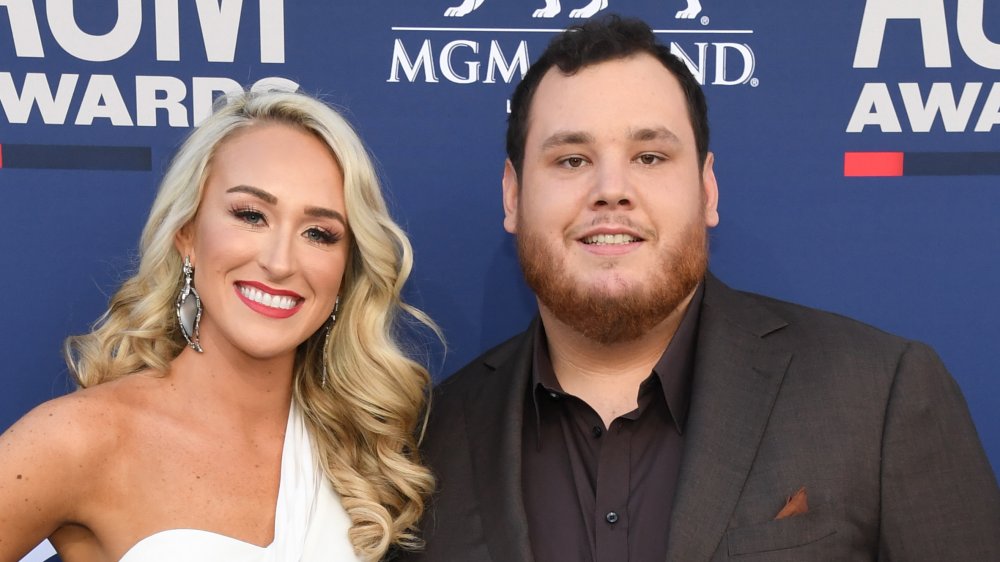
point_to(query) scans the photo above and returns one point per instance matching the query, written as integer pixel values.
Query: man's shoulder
(483, 389)
(803, 324)
(483, 367)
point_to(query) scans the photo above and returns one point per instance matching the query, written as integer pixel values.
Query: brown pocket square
(796, 505)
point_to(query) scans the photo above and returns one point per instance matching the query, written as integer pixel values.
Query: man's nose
(612, 188)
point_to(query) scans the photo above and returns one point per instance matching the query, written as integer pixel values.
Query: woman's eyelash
(249, 215)
(254, 218)
(322, 235)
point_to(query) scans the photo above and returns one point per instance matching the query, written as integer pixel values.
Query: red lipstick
(269, 311)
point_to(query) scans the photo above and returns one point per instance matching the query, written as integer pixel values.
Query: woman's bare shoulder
(72, 429)
(84, 419)
(47, 461)
(64, 426)
(52, 454)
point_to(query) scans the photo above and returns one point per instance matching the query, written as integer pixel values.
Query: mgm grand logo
(552, 9)
(446, 53)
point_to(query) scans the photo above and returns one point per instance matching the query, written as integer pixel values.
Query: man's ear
(511, 194)
(711, 188)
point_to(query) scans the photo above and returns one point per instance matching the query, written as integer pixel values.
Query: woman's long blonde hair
(365, 419)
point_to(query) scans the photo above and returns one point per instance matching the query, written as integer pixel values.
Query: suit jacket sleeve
(940, 499)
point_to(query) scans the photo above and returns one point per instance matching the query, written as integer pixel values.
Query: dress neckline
(192, 537)
(294, 506)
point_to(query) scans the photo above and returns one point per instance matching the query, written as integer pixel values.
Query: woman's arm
(44, 466)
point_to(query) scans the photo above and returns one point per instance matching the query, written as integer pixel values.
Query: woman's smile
(275, 303)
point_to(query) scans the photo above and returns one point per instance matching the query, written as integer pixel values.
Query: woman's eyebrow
(255, 191)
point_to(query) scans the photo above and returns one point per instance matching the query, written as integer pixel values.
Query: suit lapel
(495, 419)
(736, 379)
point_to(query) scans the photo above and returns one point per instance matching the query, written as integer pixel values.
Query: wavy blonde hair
(366, 418)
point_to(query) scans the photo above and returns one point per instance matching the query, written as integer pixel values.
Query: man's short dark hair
(594, 42)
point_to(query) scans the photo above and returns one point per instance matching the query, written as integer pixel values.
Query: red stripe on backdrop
(873, 164)
(1, 156)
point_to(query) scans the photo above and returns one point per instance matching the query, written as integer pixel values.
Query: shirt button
(598, 431)
(611, 517)
(553, 396)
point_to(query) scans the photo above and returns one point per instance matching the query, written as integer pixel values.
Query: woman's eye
(321, 236)
(251, 217)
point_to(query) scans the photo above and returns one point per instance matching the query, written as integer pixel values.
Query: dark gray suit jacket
(783, 397)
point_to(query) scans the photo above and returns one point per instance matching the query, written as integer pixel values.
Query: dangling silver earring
(326, 341)
(188, 308)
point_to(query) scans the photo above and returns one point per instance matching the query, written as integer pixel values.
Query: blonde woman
(244, 396)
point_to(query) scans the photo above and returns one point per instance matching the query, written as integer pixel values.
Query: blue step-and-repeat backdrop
(857, 145)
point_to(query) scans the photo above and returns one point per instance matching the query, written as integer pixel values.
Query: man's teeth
(274, 301)
(610, 239)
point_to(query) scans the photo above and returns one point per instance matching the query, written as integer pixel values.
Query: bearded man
(650, 412)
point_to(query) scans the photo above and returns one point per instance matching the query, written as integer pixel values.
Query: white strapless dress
(310, 523)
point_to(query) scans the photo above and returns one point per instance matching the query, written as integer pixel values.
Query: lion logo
(552, 9)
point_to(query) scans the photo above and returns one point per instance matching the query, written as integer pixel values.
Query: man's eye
(649, 159)
(573, 162)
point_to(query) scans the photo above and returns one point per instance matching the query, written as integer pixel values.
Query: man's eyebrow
(654, 133)
(255, 191)
(322, 212)
(563, 138)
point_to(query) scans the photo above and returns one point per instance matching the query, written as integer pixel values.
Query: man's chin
(602, 318)
(616, 304)
(611, 284)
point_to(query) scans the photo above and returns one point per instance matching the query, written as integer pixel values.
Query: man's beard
(607, 316)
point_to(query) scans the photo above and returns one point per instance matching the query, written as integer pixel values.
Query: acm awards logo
(457, 53)
(46, 96)
(969, 107)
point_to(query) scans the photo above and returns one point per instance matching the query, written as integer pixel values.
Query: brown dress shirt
(597, 494)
